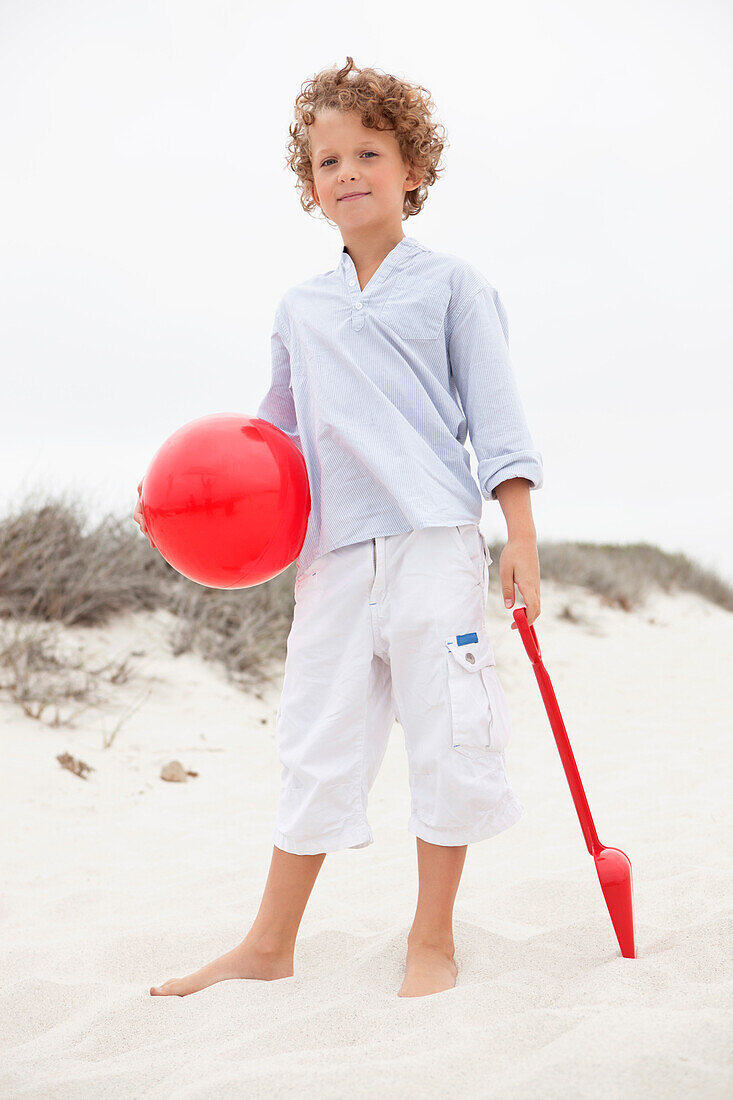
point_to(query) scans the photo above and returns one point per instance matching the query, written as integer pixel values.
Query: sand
(120, 881)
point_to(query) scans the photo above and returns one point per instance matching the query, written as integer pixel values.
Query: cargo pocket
(479, 707)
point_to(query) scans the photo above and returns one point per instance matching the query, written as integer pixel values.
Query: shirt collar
(399, 253)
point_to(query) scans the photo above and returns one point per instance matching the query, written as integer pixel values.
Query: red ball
(226, 500)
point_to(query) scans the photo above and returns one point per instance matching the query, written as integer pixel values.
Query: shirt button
(352, 282)
(358, 305)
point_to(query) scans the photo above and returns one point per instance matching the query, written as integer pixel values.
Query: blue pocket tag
(466, 639)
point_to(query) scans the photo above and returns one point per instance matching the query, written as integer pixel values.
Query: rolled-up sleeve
(277, 406)
(478, 346)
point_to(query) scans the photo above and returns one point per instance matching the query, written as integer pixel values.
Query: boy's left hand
(519, 564)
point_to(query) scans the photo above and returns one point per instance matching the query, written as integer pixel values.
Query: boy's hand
(519, 564)
(140, 518)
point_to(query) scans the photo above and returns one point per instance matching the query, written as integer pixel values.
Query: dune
(120, 880)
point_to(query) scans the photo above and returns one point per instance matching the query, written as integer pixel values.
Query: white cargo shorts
(393, 627)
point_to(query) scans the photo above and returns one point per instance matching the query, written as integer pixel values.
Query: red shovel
(613, 865)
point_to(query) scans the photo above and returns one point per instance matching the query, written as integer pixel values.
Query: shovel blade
(614, 873)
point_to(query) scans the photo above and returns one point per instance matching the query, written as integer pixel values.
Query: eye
(371, 154)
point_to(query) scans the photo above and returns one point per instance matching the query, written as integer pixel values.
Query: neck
(369, 248)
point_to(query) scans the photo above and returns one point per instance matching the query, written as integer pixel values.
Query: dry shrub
(623, 573)
(41, 673)
(56, 571)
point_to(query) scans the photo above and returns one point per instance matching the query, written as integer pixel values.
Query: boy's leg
(287, 890)
(266, 952)
(430, 948)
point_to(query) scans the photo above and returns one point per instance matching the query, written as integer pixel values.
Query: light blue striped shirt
(379, 387)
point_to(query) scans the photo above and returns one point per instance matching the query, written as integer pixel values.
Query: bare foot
(429, 969)
(243, 961)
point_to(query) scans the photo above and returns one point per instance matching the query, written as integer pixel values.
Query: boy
(379, 366)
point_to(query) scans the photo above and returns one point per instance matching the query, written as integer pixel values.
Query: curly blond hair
(384, 103)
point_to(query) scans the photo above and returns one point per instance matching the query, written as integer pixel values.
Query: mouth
(350, 198)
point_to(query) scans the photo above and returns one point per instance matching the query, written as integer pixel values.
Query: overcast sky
(148, 227)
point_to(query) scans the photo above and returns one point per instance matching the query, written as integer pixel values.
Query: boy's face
(347, 156)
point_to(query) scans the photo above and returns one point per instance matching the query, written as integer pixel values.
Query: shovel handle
(528, 636)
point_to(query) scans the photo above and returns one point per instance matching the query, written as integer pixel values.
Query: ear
(412, 180)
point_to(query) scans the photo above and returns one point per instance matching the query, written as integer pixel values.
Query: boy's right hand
(140, 518)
